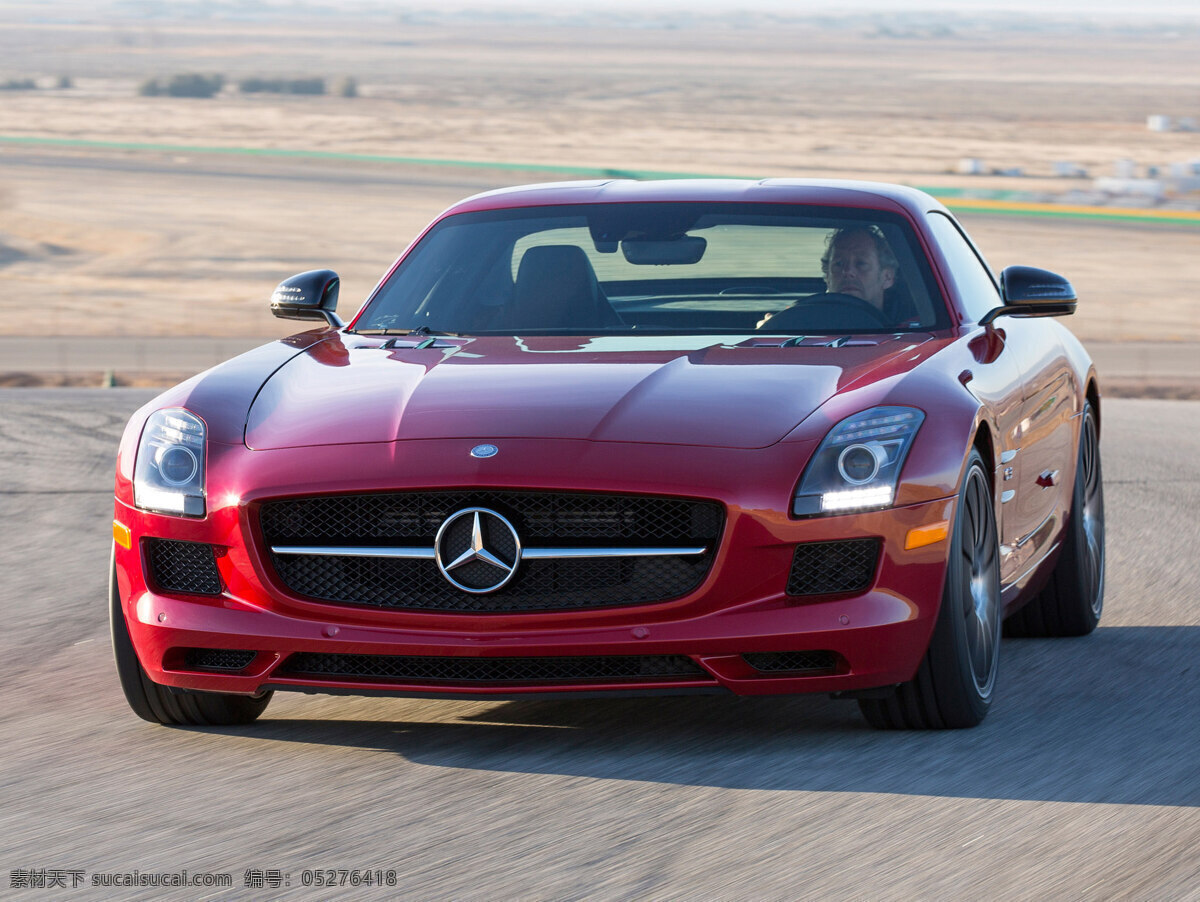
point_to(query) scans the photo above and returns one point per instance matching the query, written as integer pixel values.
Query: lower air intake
(185, 567)
(806, 662)
(411, 669)
(827, 568)
(223, 659)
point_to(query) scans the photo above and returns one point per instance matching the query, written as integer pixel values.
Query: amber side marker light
(122, 535)
(926, 535)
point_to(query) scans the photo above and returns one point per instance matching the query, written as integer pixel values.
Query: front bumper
(874, 638)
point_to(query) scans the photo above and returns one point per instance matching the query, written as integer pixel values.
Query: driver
(858, 262)
(859, 267)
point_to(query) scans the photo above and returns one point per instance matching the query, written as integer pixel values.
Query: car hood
(675, 390)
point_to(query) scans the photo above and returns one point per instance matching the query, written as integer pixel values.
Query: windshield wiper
(420, 330)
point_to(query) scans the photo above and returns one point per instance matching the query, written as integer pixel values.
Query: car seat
(557, 288)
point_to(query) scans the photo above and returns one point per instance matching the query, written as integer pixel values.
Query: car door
(998, 380)
(1047, 436)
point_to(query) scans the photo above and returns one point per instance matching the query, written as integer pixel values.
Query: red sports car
(748, 437)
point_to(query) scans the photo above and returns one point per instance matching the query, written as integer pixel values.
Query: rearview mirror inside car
(652, 252)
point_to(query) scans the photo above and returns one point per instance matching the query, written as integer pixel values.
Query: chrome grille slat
(527, 554)
(382, 551)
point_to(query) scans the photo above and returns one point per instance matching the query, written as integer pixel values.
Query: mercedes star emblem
(477, 550)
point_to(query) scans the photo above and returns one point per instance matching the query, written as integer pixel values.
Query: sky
(1127, 8)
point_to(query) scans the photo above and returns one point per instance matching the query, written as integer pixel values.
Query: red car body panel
(621, 389)
(330, 412)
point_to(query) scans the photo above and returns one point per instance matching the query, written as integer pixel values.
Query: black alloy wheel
(956, 680)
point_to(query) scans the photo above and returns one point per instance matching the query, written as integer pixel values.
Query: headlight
(168, 476)
(858, 464)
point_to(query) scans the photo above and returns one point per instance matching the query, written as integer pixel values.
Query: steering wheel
(834, 304)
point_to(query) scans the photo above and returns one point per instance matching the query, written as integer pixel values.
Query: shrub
(306, 86)
(193, 84)
(186, 84)
(257, 85)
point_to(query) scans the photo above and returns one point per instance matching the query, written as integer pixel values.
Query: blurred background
(164, 163)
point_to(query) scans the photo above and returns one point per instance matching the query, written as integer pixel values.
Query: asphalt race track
(1083, 783)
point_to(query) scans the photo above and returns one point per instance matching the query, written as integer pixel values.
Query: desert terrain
(119, 216)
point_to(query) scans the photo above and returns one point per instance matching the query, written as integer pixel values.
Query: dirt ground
(105, 241)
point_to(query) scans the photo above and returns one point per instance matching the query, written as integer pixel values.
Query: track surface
(1084, 782)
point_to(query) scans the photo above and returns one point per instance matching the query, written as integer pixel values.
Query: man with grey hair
(858, 262)
(859, 268)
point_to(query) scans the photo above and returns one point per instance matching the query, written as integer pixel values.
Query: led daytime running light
(856, 499)
(875, 427)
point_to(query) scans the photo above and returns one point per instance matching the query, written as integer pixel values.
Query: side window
(974, 282)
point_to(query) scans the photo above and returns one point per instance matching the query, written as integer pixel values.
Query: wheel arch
(985, 443)
(1092, 396)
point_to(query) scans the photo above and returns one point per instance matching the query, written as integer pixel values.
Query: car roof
(816, 192)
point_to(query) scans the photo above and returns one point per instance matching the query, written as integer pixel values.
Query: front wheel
(953, 686)
(161, 704)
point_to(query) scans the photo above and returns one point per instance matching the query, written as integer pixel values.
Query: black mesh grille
(541, 519)
(408, 669)
(217, 659)
(792, 661)
(822, 568)
(187, 567)
(539, 586)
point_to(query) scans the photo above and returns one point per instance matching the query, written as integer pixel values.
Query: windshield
(661, 268)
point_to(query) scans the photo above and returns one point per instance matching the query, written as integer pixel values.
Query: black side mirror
(308, 295)
(1033, 292)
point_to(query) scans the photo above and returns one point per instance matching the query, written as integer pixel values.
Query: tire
(955, 682)
(1073, 599)
(164, 705)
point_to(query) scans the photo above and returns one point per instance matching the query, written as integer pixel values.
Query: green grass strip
(591, 171)
(952, 197)
(1095, 214)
